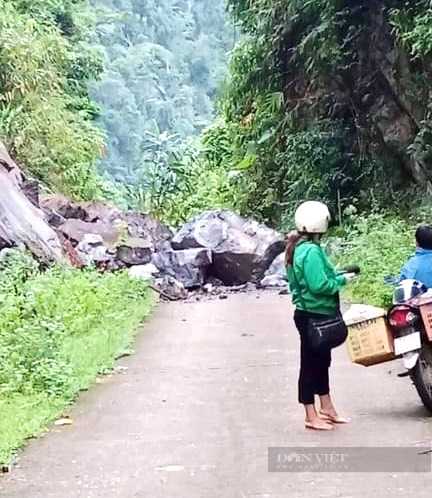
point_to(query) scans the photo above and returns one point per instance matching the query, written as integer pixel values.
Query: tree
(165, 61)
(46, 64)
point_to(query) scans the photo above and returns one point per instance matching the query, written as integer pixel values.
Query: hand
(350, 276)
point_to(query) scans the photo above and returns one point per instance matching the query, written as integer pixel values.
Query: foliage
(304, 101)
(412, 24)
(45, 110)
(58, 330)
(380, 245)
(164, 62)
(176, 181)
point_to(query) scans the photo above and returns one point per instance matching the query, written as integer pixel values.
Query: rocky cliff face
(371, 85)
(382, 93)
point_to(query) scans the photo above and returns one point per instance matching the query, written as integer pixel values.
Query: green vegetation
(165, 61)
(327, 96)
(46, 64)
(59, 329)
(179, 181)
(380, 245)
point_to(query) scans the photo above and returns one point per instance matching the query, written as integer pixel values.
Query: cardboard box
(424, 303)
(369, 339)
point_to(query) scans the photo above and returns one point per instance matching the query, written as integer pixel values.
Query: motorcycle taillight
(401, 317)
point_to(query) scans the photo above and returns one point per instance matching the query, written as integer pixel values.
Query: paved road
(212, 386)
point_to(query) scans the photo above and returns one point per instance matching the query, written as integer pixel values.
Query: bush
(58, 330)
(379, 245)
(45, 111)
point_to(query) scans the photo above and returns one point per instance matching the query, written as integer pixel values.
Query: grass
(380, 245)
(59, 329)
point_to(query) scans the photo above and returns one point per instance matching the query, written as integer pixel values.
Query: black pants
(314, 366)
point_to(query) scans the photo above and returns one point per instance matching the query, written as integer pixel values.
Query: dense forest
(165, 62)
(330, 98)
(327, 99)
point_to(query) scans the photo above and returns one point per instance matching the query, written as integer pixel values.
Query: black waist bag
(327, 333)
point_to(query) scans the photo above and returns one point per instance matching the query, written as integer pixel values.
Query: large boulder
(76, 229)
(143, 226)
(242, 249)
(21, 222)
(61, 206)
(134, 251)
(188, 266)
(275, 276)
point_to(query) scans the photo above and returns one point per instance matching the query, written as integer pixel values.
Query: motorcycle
(411, 340)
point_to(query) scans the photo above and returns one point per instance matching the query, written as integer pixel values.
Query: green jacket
(313, 280)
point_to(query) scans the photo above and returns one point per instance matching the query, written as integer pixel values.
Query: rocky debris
(143, 226)
(22, 223)
(242, 249)
(214, 254)
(275, 276)
(135, 251)
(76, 229)
(170, 288)
(189, 266)
(91, 249)
(144, 272)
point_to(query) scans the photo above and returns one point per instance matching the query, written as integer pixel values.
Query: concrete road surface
(211, 387)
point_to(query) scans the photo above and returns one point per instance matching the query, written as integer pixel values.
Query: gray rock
(21, 223)
(277, 267)
(275, 276)
(189, 266)
(205, 231)
(273, 281)
(92, 250)
(171, 287)
(143, 226)
(242, 248)
(135, 252)
(144, 272)
(76, 229)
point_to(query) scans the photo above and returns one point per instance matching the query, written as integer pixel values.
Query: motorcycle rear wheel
(422, 376)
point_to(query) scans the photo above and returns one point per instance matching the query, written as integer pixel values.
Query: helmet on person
(408, 289)
(312, 217)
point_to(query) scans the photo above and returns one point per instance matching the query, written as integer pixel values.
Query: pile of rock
(215, 249)
(217, 246)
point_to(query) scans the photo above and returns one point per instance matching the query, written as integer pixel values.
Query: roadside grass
(59, 329)
(380, 245)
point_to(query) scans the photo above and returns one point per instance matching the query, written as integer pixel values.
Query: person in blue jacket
(419, 265)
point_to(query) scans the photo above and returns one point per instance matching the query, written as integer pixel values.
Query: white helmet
(312, 217)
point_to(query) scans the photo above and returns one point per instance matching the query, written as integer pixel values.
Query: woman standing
(315, 287)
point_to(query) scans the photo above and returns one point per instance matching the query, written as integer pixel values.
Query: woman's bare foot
(332, 416)
(314, 421)
(318, 424)
(328, 411)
